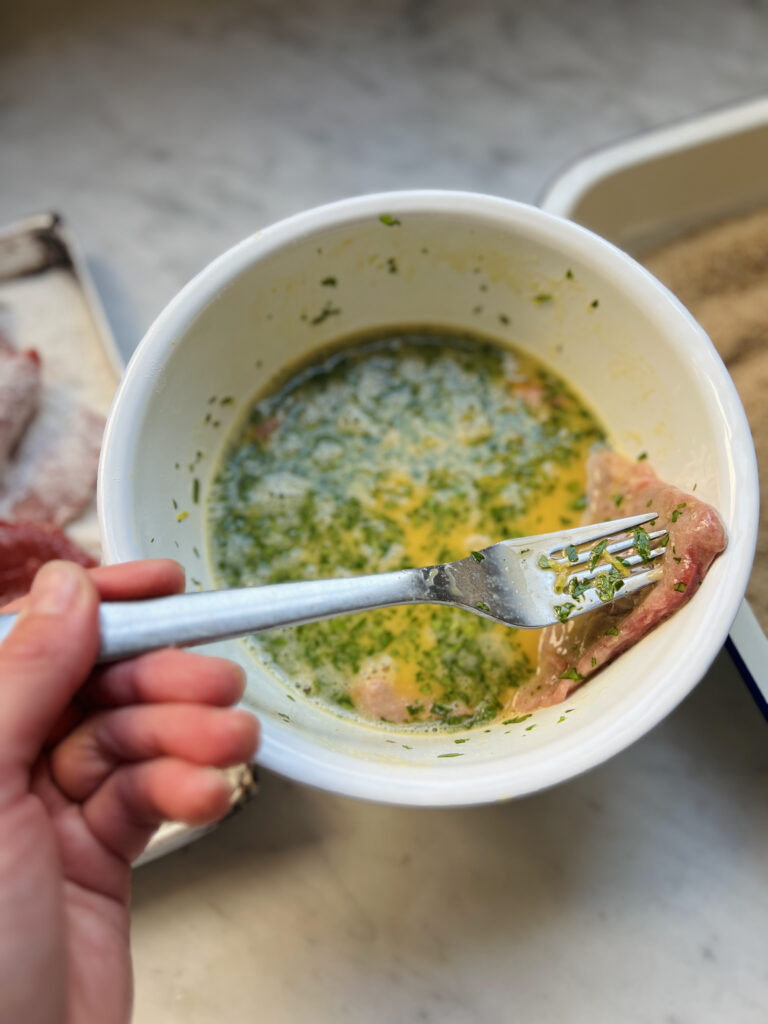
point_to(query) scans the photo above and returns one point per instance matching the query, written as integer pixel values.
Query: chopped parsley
(642, 456)
(679, 587)
(618, 499)
(542, 297)
(563, 611)
(607, 583)
(517, 719)
(569, 274)
(544, 562)
(327, 311)
(678, 511)
(578, 587)
(597, 551)
(389, 220)
(594, 303)
(478, 556)
(572, 553)
(571, 673)
(482, 606)
(613, 631)
(642, 543)
(329, 282)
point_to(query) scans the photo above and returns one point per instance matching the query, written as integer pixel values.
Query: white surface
(639, 358)
(167, 131)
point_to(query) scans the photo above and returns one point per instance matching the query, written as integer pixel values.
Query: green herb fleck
(642, 543)
(561, 719)
(618, 499)
(389, 220)
(642, 456)
(597, 551)
(529, 727)
(327, 311)
(392, 265)
(544, 562)
(593, 661)
(464, 739)
(542, 297)
(607, 583)
(572, 674)
(569, 274)
(329, 282)
(226, 400)
(613, 631)
(678, 511)
(679, 587)
(181, 516)
(478, 556)
(456, 754)
(562, 611)
(482, 606)
(577, 588)
(517, 719)
(196, 491)
(594, 303)
(572, 553)
(524, 551)
(503, 319)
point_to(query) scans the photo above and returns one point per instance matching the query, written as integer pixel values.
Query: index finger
(129, 581)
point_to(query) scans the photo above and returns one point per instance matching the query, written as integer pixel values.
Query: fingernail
(55, 589)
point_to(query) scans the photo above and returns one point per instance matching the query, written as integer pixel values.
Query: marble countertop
(165, 132)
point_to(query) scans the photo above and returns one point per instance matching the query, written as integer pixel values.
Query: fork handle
(128, 628)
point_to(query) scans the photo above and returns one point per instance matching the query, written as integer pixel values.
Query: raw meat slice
(24, 547)
(53, 475)
(579, 647)
(19, 395)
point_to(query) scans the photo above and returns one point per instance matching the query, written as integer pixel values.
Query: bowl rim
(459, 784)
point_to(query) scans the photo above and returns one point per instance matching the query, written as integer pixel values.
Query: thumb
(45, 658)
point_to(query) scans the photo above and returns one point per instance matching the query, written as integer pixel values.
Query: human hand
(92, 760)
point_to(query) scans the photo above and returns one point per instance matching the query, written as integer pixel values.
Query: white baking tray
(48, 302)
(658, 185)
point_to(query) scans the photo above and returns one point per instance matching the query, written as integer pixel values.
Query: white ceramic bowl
(638, 358)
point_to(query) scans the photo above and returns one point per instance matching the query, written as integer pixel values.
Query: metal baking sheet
(48, 302)
(660, 185)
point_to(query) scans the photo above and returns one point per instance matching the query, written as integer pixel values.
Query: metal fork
(528, 583)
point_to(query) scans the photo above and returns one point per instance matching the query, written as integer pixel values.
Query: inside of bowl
(602, 324)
